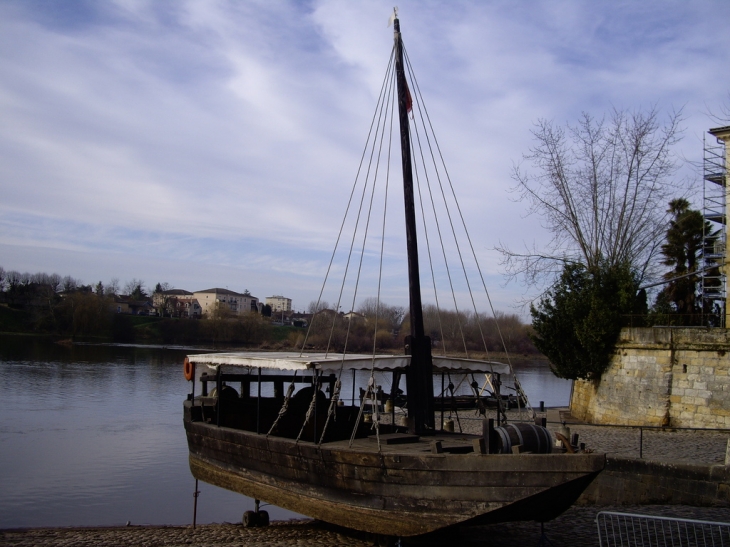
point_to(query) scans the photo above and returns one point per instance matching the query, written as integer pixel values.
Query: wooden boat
(250, 429)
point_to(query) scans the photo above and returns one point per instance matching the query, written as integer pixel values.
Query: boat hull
(402, 491)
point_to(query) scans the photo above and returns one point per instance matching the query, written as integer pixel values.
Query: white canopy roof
(332, 362)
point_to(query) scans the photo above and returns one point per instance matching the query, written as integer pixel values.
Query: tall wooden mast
(419, 377)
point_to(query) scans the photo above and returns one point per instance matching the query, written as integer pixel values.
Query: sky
(215, 143)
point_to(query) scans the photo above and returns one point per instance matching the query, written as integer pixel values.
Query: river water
(92, 435)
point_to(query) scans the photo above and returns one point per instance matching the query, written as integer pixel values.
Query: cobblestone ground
(298, 533)
(707, 447)
(576, 527)
(686, 446)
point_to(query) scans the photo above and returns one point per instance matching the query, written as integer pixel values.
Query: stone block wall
(661, 377)
(628, 481)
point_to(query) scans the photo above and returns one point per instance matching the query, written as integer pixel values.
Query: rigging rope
(453, 402)
(331, 410)
(312, 404)
(384, 86)
(441, 242)
(423, 111)
(367, 225)
(370, 393)
(362, 211)
(285, 405)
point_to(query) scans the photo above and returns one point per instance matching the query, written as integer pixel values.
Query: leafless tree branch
(600, 188)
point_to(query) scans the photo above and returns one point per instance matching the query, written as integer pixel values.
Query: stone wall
(661, 377)
(628, 481)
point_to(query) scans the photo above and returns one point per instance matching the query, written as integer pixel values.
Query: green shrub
(578, 321)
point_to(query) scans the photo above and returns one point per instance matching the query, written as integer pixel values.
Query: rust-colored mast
(419, 376)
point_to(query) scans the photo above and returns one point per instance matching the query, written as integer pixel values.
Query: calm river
(92, 435)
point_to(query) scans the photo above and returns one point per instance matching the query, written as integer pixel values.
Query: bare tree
(112, 288)
(600, 189)
(54, 280)
(162, 287)
(135, 289)
(26, 279)
(390, 316)
(68, 284)
(722, 113)
(316, 307)
(12, 279)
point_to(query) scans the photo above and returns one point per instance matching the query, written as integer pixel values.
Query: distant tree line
(381, 326)
(40, 307)
(65, 306)
(49, 303)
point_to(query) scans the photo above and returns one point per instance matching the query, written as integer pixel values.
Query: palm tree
(684, 251)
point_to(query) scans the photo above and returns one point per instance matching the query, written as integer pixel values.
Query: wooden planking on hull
(290, 454)
(380, 520)
(383, 515)
(326, 464)
(417, 487)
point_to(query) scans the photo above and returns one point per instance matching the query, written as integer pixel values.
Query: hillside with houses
(62, 306)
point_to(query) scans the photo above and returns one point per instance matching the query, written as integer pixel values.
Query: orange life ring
(188, 369)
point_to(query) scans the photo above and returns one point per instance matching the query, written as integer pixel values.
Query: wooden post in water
(419, 376)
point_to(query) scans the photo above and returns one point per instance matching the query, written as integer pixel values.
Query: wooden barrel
(532, 438)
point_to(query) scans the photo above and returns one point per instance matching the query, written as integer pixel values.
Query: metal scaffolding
(713, 282)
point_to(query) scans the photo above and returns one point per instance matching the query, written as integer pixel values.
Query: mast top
(394, 19)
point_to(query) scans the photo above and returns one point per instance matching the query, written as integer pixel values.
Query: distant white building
(176, 303)
(160, 298)
(354, 315)
(278, 303)
(236, 302)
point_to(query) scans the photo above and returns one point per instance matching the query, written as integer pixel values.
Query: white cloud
(214, 137)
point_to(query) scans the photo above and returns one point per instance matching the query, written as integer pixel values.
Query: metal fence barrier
(630, 530)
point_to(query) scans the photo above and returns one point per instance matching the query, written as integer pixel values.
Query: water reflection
(93, 435)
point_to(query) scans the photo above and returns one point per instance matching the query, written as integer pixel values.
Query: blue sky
(213, 143)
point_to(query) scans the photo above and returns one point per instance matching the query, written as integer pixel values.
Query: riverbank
(575, 527)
